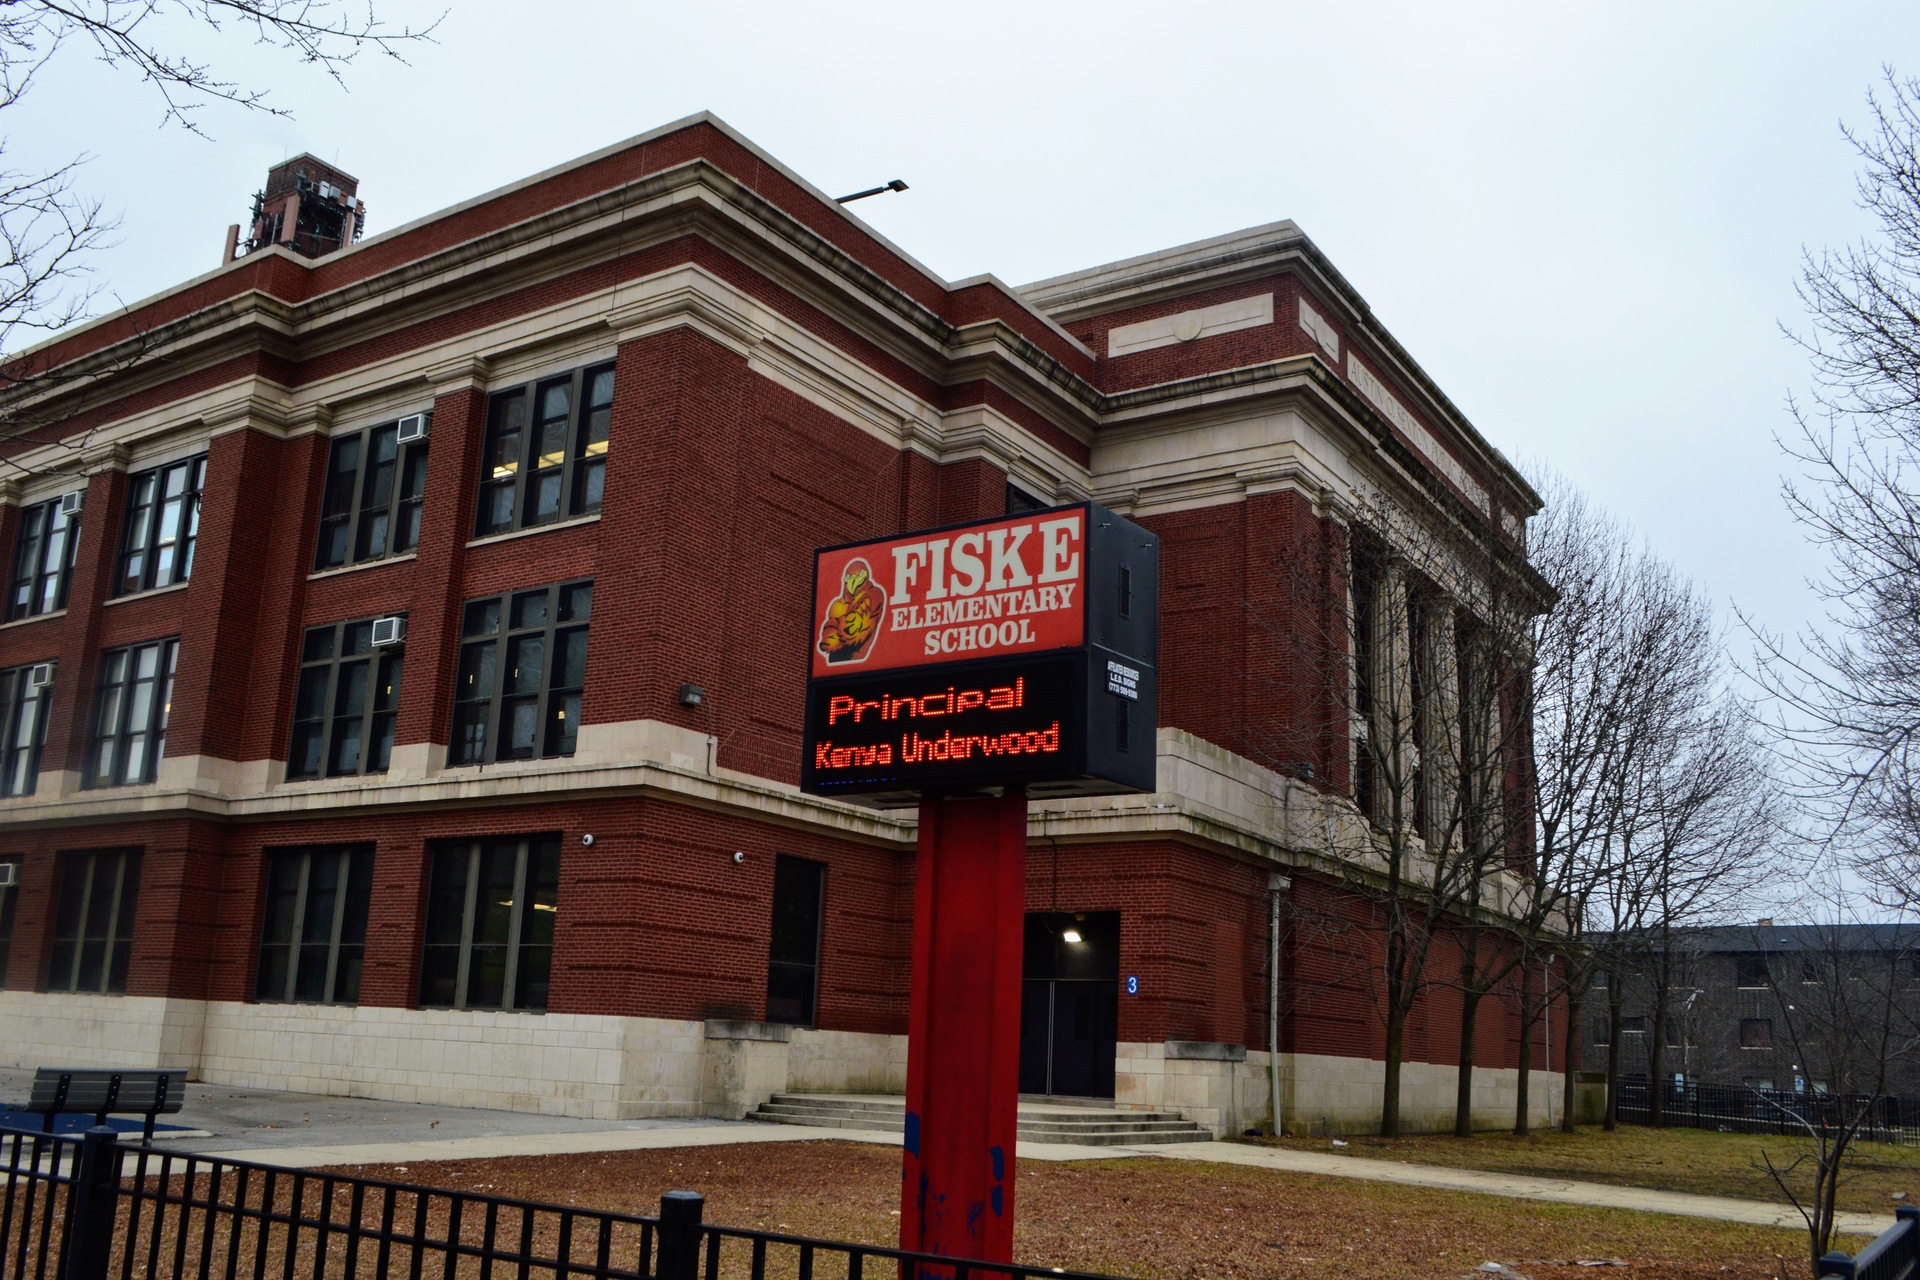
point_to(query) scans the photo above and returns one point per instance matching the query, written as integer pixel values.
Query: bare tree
(1647, 795)
(49, 229)
(1848, 1010)
(1848, 693)
(1402, 633)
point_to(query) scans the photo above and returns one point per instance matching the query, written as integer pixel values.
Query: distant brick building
(355, 592)
(1755, 1005)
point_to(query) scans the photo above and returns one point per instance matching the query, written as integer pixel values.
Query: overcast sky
(1583, 219)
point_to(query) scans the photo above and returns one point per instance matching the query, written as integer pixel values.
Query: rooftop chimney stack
(308, 206)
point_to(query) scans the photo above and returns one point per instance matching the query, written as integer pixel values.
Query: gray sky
(1583, 219)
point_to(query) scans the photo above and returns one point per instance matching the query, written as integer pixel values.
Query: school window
(1599, 1032)
(1633, 1026)
(490, 911)
(9, 895)
(1676, 1034)
(42, 560)
(130, 723)
(163, 522)
(523, 672)
(1750, 971)
(1756, 1033)
(370, 508)
(315, 928)
(93, 926)
(24, 705)
(793, 957)
(346, 703)
(1020, 502)
(545, 456)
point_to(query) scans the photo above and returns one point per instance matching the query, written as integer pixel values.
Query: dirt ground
(1154, 1218)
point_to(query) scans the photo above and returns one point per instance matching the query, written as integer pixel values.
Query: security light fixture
(895, 185)
(692, 695)
(1070, 935)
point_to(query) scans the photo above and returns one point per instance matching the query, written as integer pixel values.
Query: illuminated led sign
(1010, 652)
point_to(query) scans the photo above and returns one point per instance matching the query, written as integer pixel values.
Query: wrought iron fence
(91, 1209)
(1741, 1109)
(1894, 1254)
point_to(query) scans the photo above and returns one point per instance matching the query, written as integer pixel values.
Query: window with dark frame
(1600, 1030)
(346, 703)
(1750, 970)
(1756, 1033)
(1020, 502)
(546, 451)
(1633, 1025)
(374, 491)
(1675, 1036)
(24, 708)
(793, 953)
(42, 560)
(9, 896)
(522, 676)
(130, 717)
(490, 911)
(93, 924)
(314, 927)
(163, 523)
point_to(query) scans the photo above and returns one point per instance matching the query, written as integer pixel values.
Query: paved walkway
(305, 1131)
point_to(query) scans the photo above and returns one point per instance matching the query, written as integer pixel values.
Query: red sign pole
(963, 1028)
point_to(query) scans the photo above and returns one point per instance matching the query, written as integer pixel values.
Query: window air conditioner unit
(70, 503)
(389, 630)
(40, 675)
(9, 874)
(414, 427)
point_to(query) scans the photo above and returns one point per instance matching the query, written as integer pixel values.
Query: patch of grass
(1693, 1160)
(1155, 1219)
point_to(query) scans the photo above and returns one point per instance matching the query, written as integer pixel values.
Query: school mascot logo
(854, 617)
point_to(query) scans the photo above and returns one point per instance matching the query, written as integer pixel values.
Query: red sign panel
(994, 589)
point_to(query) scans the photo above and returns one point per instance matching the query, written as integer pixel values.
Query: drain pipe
(1276, 885)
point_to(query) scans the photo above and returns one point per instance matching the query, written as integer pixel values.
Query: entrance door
(1070, 1004)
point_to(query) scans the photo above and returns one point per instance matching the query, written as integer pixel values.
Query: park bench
(107, 1091)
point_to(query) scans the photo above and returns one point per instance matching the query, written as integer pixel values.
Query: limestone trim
(32, 618)
(553, 526)
(382, 563)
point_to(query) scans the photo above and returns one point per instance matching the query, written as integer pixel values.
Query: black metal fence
(90, 1209)
(1894, 1254)
(1738, 1109)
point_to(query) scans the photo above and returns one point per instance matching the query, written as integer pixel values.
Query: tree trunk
(1463, 1087)
(1523, 1070)
(1390, 1091)
(1569, 1054)
(1615, 998)
(1656, 1055)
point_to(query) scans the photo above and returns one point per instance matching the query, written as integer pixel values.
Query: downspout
(1276, 886)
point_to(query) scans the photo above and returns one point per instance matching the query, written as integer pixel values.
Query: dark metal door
(1069, 1007)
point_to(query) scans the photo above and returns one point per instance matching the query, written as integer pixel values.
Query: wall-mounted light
(1070, 935)
(587, 838)
(692, 695)
(739, 856)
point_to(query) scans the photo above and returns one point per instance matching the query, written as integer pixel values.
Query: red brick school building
(405, 644)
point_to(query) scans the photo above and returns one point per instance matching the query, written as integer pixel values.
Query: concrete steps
(1076, 1121)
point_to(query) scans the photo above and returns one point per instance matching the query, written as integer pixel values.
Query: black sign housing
(1068, 722)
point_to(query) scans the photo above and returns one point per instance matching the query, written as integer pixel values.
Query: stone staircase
(1089, 1123)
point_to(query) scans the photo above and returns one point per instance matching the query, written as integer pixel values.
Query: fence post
(95, 1189)
(1836, 1266)
(680, 1235)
